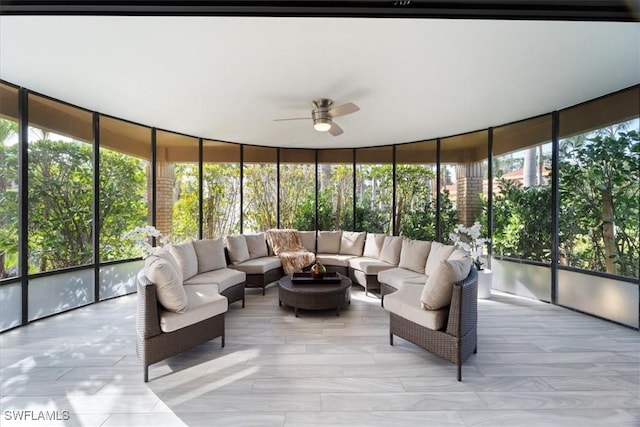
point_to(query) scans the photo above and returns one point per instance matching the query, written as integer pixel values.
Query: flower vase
(485, 279)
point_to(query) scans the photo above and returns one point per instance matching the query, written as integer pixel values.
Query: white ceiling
(227, 78)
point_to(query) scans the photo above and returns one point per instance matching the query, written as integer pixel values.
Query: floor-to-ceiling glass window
(416, 190)
(374, 189)
(297, 189)
(60, 205)
(335, 189)
(177, 182)
(260, 189)
(220, 189)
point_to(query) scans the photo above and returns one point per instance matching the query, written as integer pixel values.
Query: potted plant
(469, 240)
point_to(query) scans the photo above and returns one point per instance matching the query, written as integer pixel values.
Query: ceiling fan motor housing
(320, 113)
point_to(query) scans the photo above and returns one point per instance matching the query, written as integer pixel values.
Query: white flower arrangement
(141, 237)
(469, 240)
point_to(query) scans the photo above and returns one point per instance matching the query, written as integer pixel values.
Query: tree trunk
(608, 232)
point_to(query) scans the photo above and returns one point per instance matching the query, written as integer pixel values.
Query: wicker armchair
(459, 339)
(152, 344)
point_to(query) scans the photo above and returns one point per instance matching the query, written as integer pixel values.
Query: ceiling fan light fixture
(322, 125)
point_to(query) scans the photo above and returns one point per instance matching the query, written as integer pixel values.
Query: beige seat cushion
(238, 250)
(438, 289)
(185, 255)
(414, 255)
(210, 254)
(398, 277)
(329, 242)
(391, 248)
(352, 243)
(369, 266)
(308, 240)
(373, 245)
(259, 265)
(406, 303)
(437, 253)
(334, 259)
(224, 278)
(256, 245)
(204, 301)
(166, 279)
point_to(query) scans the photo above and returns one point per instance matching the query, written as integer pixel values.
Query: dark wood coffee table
(316, 296)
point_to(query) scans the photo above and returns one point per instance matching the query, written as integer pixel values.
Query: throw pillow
(169, 289)
(329, 242)
(238, 250)
(373, 245)
(352, 243)
(437, 253)
(186, 256)
(210, 254)
(414, 255)
(165, 253)
(257, 245)
(458, 254)
(438, 289)
(308, 240)
(391, 248)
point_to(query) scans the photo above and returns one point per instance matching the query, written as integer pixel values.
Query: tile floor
(537, 365)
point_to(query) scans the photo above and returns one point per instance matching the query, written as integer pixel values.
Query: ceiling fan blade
(294, 118)
(343, 110)
(335, 130)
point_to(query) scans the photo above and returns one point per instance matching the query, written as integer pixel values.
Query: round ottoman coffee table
(317, 296)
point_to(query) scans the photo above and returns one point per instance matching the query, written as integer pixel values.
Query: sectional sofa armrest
(463, 311)
(147, 316)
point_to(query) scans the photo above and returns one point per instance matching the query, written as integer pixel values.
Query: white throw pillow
(165, 253)
(391, 248)
(458, 254)
(414, 255)
(308, 240)
(256, 245)
(438, 289)
(437, 253)
(329, 242)
(210, 254)
(186, 256)
(373, 245)
(169, 289)
(352, 242)
(238, 251)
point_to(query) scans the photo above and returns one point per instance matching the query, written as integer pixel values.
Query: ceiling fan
(323, 114)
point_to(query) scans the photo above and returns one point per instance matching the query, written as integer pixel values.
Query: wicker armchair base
(234, 293)
(262, 280)
(385, 290)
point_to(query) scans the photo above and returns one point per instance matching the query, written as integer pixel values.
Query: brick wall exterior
(469, 178)
(164, 197)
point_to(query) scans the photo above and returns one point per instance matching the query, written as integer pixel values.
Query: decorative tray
(306, 278)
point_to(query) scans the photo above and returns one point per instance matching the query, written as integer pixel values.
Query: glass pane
(522, 190)
(335, 189)
(9, 182)
(374, 189)
(125, 152)
(10, 306)
(297, 189)
(119, 279)
(60, 292)
(221, 189)
(260, 189)
(60, 185)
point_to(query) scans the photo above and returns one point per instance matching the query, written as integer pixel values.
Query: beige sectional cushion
(414, 255)
(210, 254)
(169, 289)
(238, 250)
(406, 303)
(373, 245)
(256, 245)
(352, 243)
(391, 248)
(204, 302)
(369, 265)
(259, 265)
(458, 254)
(437, 253)
(329, 242)
(308, 240)
(334, 259)
(223, 278)
(438, 289)
(165, 253)
(399, 277)
(185, 255)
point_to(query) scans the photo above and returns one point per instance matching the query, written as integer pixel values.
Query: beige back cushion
(391, 248)
(437, 253)
(438, 289)
(329, 242)
(256, 245)
(414, 255)
(373, 245)
(308, 240)
(210, 254)
(458, 254)
(187, 259)
(169, 288)
(238, 251)
(352, 242)
(165, 253)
